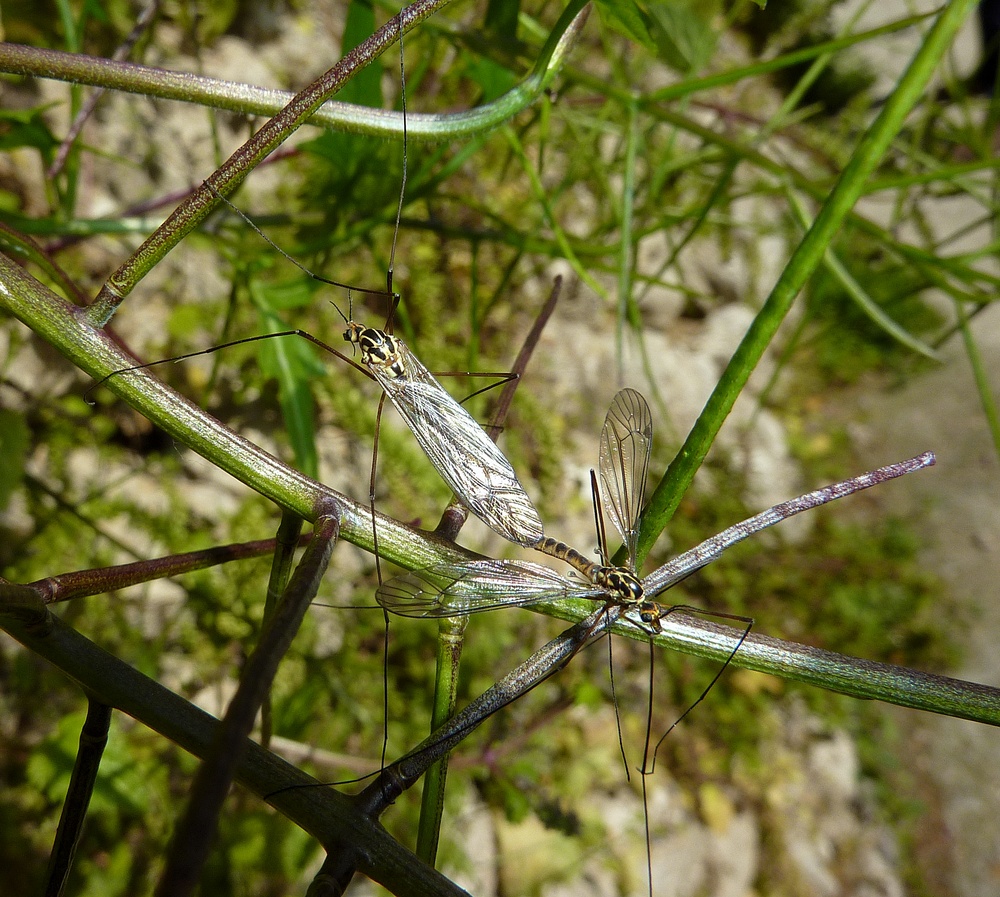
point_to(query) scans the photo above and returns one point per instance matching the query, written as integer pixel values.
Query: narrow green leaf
(493, 79)
(683, 33)
(365, 88)
(501, 20)
(625, 17)
(26, 128)
(293, 363)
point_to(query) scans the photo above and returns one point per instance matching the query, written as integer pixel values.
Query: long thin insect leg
(643, 773)
(746, 631)
(614, 703)
(290, 258)
(402, 188)
(378, 575)
(316, 341)
(602, 550)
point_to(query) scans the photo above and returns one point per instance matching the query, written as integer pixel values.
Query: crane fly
(468, 460)
(454, 589)
(445, 590)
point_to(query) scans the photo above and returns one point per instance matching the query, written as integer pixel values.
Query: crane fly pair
(453, 589)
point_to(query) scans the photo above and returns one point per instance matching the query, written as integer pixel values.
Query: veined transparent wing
(452, 590)
(624, 460)
(459, 448)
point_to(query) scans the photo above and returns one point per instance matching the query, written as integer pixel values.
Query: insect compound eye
(650, 613)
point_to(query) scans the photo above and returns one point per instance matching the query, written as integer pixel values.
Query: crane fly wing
(452, 590)
(624, 459)
(467, 459)
(695, 558)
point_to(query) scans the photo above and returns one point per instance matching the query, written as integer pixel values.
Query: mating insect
(444, 590)
(467, 459)
(453, 589)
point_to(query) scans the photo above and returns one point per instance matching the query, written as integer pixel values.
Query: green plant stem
(983, 387)
(868, 306)
(841, 673)
(835, 672)
(804, 261)
(248, 99)
(450, 642)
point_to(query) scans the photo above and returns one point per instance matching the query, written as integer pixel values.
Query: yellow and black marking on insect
(378, 349)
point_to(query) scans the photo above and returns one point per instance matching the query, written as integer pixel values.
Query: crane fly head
(650, 613)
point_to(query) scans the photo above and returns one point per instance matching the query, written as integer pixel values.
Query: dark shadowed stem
(196, 831)
(286, 541)
(545, 662)
(324, 813)
(93, 740)
(525, 355)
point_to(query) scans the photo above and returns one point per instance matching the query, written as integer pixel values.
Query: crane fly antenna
(294, 261)
(394, 296)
